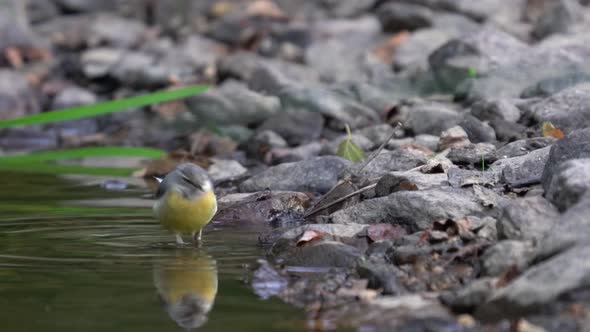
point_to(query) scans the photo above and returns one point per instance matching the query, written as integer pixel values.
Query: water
(76, 257)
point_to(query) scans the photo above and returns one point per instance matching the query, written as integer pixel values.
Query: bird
(186, 284)
(185, 201)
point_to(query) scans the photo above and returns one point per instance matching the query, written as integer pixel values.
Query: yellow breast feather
(182, 215)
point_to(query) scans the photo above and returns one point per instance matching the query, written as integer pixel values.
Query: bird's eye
(189, 181)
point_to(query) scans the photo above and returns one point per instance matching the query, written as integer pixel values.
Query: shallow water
(76, 257)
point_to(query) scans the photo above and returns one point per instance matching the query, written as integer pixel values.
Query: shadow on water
(67, 264)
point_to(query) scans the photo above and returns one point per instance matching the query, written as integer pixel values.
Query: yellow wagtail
(186, 201)
(187, 286)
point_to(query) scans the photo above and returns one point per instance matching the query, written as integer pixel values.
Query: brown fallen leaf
(386, 50)
(461, 227)
(549, 130)
(379, 232)
(308, 236)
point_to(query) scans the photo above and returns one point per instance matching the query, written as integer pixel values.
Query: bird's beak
(158, 179)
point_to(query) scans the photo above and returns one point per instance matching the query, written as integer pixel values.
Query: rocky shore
(469, 211)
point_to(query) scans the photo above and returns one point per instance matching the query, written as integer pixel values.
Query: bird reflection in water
(187, 285)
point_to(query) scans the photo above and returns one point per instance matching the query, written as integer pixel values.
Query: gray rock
(377, 133)
(557, 18)
(331, 148)
(473, 154)
(382, 277)
(415, 210)
(73, 96)
(574, 146)
(301, 152)
(99, 62)
(339, 108)
(262, 74)
(232, 103)
(115, 31)
(389, 182)
(478, 131)
(523, 170)
(262, 207)
(527, 294)
(496, 109)
(427, 141)
(41, 10)
(567, 110)
(430, 118)
(388, 161)
(17, 98)
(262, 142)
(523, 147)
(527, 219)
(552, 85)
(396, 16)
(413, 52)
(458, 177)
(296, 127)
(506, 255)
(569, 184)
(27, 139)
(317, 174)
(140, 70)
(469, 297)
(86, 5)
(324, 254)
(347, 41)
(478, 52)
(453, 137)
(223, 170)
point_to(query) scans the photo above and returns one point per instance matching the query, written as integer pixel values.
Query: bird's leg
(200, 235)
(179, 239)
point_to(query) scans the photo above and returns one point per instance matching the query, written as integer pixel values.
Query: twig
(341, 199)
(378, 151)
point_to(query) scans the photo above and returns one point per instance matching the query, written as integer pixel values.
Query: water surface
(77, 257)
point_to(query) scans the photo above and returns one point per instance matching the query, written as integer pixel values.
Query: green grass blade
(57, 169)
(102, 108)
(43, 156)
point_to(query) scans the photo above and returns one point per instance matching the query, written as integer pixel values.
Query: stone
(469, 297)
(569, 184)
(458, 177)
(477, 131)
(479, 52)
(453, 137)
(295, 127)
(41, 11)
(262, 142)
(523, 170)
(232, 103)
(396, 16)
(17, 97)
(574, 146)
(415, 210)
(262, 207)
(113, 31)
(524, 146)
(140, 70)
(336, 107)
(391, 182)
(567, 110)
(73, 96)
(382, 277)
(527, 219)
(86, 5)
(317, 174)
(224, 170)
(98, 62)
(388, 161)
(487, 110)
(529, 292)
(558, 18)
(287, 155)
(506, 255)
(473, 154)
(552, 85)
(430, 118)
(413, 53)
(324, 254)
(377, 133)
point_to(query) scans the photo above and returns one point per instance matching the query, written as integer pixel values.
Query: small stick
(378, 151)
(341, 199)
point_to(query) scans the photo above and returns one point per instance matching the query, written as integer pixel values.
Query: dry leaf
(461, 227)
(379, 232)
(307, 237)
(549, 130)
(265, 8)
(385, 51)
